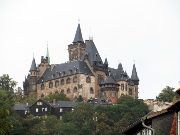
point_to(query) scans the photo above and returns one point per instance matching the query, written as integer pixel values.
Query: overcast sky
(147, 31)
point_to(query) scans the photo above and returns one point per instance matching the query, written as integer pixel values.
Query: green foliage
(56, 96)
(7, 83)
(167, 95)
(80, 99)
(6, 103)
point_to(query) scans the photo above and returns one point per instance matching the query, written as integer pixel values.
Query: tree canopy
(167, 95)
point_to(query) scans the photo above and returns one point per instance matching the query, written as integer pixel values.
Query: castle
(84, 74)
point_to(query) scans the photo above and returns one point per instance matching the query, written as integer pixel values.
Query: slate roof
(134, 74)
(20, 106)
(109, 80)
(33, 65)
(64, 104)
(92, 52)
(119, 74)
(78, 35)
(65, 69)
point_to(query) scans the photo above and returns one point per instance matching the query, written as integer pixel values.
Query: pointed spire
(120, 68)
(134, 75)
(106, 62)
(78, 35)
(47, 53)
(33, 65)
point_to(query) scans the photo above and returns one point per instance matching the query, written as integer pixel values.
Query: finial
(133, 61)
(78, 20)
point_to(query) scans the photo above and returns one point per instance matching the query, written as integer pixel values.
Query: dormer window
(63, 73)
(59, 74)
(53, 76)
(70, 72)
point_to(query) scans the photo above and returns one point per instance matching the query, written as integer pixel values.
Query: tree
(80, 99)
(167, 95)
(6, 103)
(7, 83)
(58, 96)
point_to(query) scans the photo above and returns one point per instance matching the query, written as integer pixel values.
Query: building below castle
(84, 74)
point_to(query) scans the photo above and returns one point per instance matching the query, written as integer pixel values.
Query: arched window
(68, 91)
(75, 90)
(130, 92)
(91, 90)
(42, 86)
(122, 86)
(70, 72)
(68, 80)
(56, 83)
(74, 79)
(62, 82)
(88, 79)
(50, 84)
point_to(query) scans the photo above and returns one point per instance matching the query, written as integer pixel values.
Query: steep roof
(78, 35)
(109, 80)
(20, 106)
(134, 75)
(92, 52)
(68, 104)
(33, 65)
(65, 69)
(119, 74)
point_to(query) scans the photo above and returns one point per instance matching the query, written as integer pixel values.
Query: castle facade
(84, 74)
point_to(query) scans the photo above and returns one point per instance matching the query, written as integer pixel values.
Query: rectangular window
(45, 109)
(60, 110)
(36, 109)
(39, 103)
(42, 109)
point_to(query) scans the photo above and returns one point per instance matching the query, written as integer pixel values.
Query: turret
(77, 48)
(33, 69)
(134, 76)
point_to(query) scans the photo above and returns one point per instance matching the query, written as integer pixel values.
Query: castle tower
(33, 69)
(109, 89)
(30, 82)
(77, 48)
(45, 63)
(135, 80)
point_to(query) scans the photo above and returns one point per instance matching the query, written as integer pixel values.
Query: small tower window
(56, 83)
(91, 90)
(70, 72)
(62, 82)
(130, 92)
(88, 79)
(68, 80)
(122, 86)
(75, 90)
(50, 84)
(74, 79)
